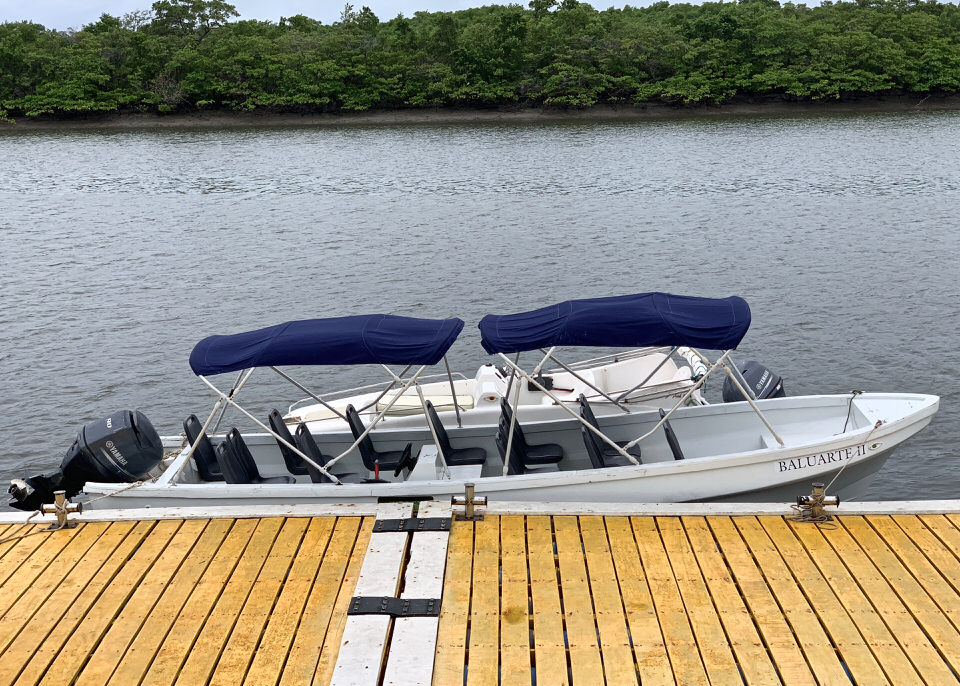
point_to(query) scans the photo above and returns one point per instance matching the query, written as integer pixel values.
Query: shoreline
(759, 106)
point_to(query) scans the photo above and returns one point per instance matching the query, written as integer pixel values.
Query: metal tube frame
(550, 356)
(310, 393)
(270, 431)
(649, 376)
(433, 433)
(453, 391)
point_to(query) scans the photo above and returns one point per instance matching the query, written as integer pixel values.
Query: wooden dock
(531, 594)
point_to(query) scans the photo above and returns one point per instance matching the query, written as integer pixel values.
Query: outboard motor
(123, 447)
(765, 383)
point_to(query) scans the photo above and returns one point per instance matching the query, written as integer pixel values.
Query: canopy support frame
(433, 433)
(310, 393)
(650, 375)
(550, 356)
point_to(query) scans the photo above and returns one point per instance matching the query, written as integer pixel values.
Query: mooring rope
(29, 533)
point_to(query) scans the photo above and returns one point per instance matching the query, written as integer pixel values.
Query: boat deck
(531, 594)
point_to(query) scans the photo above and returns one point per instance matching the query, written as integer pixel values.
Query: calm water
(120, 250)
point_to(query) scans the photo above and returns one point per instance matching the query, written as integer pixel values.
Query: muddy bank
(650, 111)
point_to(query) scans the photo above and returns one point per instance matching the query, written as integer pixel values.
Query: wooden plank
(124, 628)
(55, 620)
(926, 613)
(549, 655)
(678, 636)
(714, 648)
(135, 662)
(98, 617)
(939, 553)
(935, 579)
(331, 642)
(180, 640)
(515, 664)
(301, 663)
(578, 616)
(615, 650)
(759, 571)
(752, 657)
(361, 656)
(239, 650)
(911, 637)
(448, 665)
(483, 662)
(943, 529)
(868, 621)
(12, 535)
(414, 639)
(209, 645)
(650, 653)
(33, 596)
(285, 618)
(28, 559)
(853, 649)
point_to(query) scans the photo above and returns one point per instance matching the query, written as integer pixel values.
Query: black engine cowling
(120, 448)
(763, 382)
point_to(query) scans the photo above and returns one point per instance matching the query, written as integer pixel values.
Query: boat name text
(822, 458)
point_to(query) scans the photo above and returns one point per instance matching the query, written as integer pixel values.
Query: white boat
(630, 427)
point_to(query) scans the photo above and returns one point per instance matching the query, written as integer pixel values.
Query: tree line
(192, 55)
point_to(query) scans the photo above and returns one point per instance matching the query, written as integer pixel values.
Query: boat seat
(605, 456)
(537, 454)
(308, 445)
(204, 455)
(671, 438)
(454, 457)
(238, 465)
(295, 463)
(387, 459)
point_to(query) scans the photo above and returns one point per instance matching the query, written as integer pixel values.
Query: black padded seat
(238, 465)
(204, 455)
(295, 463)
(608, 456)
(387, 459)
(539, 454)
(454, 457)
(308, 445)
(671, 438)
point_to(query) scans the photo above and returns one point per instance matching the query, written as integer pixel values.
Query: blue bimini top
(626, 321)
(361, 339)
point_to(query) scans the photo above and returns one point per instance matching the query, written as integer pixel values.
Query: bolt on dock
(522, 593)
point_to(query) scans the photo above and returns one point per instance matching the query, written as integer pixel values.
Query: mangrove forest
(197, 55)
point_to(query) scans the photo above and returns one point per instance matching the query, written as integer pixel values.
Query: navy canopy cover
(627, 321)
(361, 339)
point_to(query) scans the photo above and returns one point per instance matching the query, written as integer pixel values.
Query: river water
(119, 250)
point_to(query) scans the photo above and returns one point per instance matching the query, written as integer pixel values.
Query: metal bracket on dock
(469, 502)
(411, 524)
(62, 508)
(395, 607)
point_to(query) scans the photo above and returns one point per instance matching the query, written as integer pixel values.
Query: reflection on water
(120, 250)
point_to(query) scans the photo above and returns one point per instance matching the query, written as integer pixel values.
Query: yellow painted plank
(777, 580)
(29, 558)
(715, 651)
(450, 659)
(285, 617)
(868, 621)
(301, 663)
(485, 605)
(34, 595)
(941, 580)
(939, 553)
(10, 536)
(55, 620)
(550, 659)
(677, 634)
(331, 642)
(943, 529)
(618, 666)
(895, 615)
(851, 645)
(20, 542)
(125, 627)
(515, 664)
(135, 662)
(189, 622)
(936, 625)
(585, 663)
(239, 650)
(209, 644)
(742, 635)
(649, 651)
